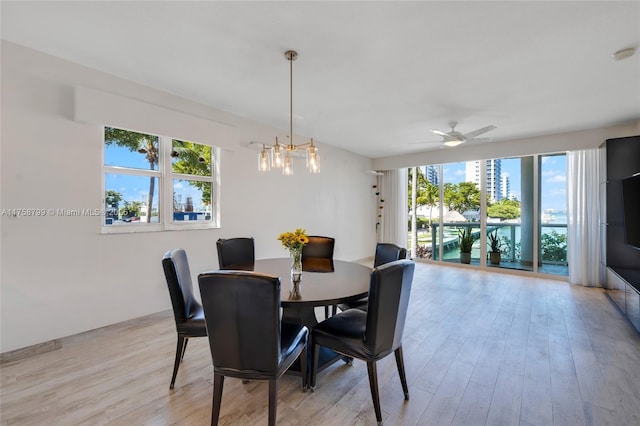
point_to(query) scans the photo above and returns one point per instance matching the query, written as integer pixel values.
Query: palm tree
(430, 196)
(193, 159)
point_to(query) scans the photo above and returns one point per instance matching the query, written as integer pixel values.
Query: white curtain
(393, 190)
(583, 217)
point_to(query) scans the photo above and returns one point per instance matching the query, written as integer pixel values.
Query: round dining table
(324, 282)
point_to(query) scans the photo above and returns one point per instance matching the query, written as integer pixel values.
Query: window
(154, 183)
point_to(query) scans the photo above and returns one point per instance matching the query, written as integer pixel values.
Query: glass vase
(296, 266)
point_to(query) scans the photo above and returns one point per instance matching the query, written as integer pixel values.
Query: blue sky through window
(553, 179)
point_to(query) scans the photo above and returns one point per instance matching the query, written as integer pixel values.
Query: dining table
(324, 282)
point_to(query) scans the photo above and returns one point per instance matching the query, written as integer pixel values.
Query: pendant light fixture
(278, 156)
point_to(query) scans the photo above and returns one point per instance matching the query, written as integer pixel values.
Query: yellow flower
(294, 241)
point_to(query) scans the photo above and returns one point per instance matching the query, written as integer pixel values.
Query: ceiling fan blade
(438, 132)
(480, 140)
(479, 132)
(423, 142)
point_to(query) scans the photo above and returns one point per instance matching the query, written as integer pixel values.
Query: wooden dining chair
(247, 338)
(187, 311)
(371, 335)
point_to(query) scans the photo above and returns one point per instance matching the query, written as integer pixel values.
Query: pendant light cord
(291, 101)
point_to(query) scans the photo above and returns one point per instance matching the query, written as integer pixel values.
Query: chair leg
(176, 364)
(403, 377)
(304, 372)
(218, 384)
(184, 348)
(315, 355)
(273, 401)
(373, 384)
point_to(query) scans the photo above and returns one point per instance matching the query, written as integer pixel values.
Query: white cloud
(557, 179)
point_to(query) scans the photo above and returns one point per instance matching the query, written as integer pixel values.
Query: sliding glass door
(510, 213)
(500, 213)
(553, 217)
(460, 230)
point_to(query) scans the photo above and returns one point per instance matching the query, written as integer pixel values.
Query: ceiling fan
(454, 138)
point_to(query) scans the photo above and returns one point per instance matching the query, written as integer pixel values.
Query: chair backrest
(178, 275)
(242, 313)
(320, 247)
(389, 293)
(236, 253)
(387, 252)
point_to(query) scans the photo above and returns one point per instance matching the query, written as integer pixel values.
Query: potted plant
(494, 247)
(465, 238)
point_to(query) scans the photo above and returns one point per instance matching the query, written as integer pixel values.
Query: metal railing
(548, 253)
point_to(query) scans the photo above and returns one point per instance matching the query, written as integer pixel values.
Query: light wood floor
(480, 348)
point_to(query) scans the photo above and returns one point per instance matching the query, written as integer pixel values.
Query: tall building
(506, 186)
(432, 173)
(494, 177)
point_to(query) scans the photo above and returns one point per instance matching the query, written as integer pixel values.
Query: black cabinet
(622, 260)
(632, 306)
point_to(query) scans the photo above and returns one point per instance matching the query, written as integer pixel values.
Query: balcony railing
(552, 245)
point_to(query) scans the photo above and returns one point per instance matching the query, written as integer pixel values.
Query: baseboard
(55, 344)
(365, 261)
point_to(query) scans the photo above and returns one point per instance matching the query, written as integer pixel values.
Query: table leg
(306, 315)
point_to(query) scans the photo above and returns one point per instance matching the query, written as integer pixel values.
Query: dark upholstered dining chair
(236, 253)
(317, 256)
(385, 253)
(371, 335)
(187, 312)
(246, 336)
(319, 247)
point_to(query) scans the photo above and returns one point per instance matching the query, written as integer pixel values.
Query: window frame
(165, 178)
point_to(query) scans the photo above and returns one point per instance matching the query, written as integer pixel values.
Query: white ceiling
(371, 77)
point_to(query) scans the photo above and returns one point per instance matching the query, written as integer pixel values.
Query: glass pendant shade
(264, 165)
(288, 166)
(277, 159)
(313, 159)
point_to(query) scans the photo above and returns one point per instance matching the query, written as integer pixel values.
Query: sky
(553, 179)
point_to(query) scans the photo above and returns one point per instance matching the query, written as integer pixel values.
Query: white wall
(60, 275)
